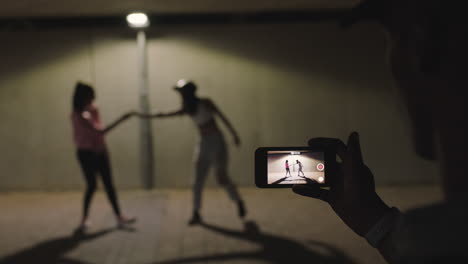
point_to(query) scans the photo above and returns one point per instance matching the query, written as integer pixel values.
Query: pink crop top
(86, 130)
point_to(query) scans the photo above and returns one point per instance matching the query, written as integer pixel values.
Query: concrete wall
(278, 84)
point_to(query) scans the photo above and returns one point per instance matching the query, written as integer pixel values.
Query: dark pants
(91, 164)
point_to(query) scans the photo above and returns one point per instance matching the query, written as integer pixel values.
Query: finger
(334, 175)
(354, 163)
(333, 144)
(354, 150)
(313, 191)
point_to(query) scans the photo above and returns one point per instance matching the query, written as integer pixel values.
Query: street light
(140, 21)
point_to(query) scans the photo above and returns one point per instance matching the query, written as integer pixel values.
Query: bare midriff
(208, 128)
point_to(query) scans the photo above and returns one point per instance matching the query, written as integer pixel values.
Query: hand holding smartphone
(282, 167)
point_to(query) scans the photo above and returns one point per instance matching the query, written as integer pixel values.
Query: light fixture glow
(321, 179)
(138, 20)
(181, 83)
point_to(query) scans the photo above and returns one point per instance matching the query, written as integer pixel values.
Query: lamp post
(140, 21)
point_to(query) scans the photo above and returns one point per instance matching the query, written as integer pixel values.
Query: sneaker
(123, 221)
(241, 209)
(196, 219)
(84, 225)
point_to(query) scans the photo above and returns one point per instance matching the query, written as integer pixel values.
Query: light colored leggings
(212, 151)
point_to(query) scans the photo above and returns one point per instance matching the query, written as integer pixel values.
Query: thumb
(354, 149)
(354, 166)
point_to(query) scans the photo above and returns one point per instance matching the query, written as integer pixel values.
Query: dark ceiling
(100, 8)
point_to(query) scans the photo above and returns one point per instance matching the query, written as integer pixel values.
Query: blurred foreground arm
(352, 192)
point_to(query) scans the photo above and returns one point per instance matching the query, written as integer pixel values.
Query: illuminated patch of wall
(277, 85)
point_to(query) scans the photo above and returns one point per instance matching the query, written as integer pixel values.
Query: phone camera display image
(283, 167)
(295, 167)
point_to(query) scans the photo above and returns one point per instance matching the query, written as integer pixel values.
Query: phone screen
(295, 167)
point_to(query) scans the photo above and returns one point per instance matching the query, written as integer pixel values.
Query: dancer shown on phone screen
(88, 133)
(286, 165)
(299, 164)
(211, 150)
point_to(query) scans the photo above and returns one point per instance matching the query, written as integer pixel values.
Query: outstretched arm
(226, 122)
(85, 118)
(160, 115)
(118, 121)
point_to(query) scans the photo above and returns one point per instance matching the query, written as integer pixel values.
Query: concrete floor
(294, 178)
(281, 227)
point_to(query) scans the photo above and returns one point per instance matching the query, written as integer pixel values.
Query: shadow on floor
(275, 249)
(280, 180)
(53, 250)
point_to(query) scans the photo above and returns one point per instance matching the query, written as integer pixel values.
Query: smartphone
(283, 167)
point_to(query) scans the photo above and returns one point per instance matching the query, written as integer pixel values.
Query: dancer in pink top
(286, 165)
(88, 135)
